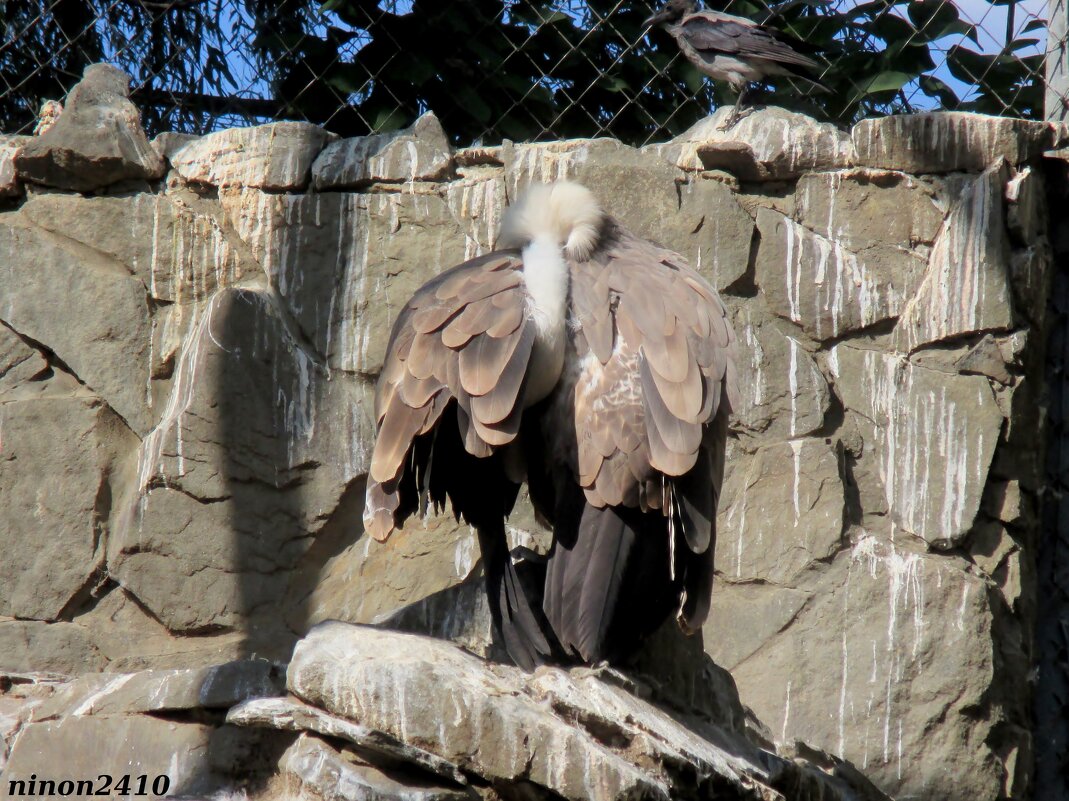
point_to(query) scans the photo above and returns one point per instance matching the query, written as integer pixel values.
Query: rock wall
(189, 344)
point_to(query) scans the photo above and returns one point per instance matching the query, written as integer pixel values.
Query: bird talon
(729, 123)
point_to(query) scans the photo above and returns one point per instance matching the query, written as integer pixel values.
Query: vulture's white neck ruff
(545, 274)
(549, 223)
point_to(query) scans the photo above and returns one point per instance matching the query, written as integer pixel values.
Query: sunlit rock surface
(276, 156)
(419, 153)
(880, 613)
(573, 734)
(345, 264)
(186, 373)
(784, 392)
(929, 434)
(100, 330)
(80, 746)
(951, 141)
(826, 288)
(173, 243)
(966, 287)
(781, 511)
(96, 141)
(318, 770)
(9, 182)
(216, 462)
(59, 453)
(768, 143)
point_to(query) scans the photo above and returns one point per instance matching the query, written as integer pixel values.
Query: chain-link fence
(517, 69)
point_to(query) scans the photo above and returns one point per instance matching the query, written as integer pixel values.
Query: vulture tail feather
(520, 625)
(602, 552)
(613, 541)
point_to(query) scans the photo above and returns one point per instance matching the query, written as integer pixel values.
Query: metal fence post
(1057, 92)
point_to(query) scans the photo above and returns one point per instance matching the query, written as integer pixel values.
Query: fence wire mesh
(517, 69)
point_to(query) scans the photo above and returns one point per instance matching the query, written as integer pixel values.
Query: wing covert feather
(643, 403)
(463, 339)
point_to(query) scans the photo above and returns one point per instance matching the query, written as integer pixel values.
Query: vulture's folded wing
(464, 336)
(659, 369)
(709, 31)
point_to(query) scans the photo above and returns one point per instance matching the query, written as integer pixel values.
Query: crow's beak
(656, 19)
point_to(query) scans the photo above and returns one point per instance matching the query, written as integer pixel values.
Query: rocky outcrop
(419, 153)
(96, 141)
(186, 373)
(10, 186)
(767, 144)
(378, 714)
(163, 725)
(389, 694)
(275, 156)
(951, 141)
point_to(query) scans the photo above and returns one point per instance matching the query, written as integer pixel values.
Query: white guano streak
(844, 295)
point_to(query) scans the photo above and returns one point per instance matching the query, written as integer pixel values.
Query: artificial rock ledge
(390, 716)
(553, 733)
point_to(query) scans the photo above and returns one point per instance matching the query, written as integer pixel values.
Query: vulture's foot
(610, 675)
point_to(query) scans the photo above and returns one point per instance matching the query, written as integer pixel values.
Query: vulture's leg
(520, 624)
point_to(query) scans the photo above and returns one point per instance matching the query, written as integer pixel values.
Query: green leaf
(347, 79)
(613, 83)
(957, 28)
(1021, 44)
(889, 81)
(932, 15)
(556, 17)
(892, 29)
(966, 65)
(934, 87)
(472, 102)
(387, 119)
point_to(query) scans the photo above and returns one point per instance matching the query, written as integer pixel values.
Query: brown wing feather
(509, 315)
(431, 318)
(498, 403)
(680, 435)
(416, 392)
(424, 357)
(683, 398)
(670, 353)
(379, 509)
(591, 302)
(400, 425)
(484, 358)
(463, 339)
(643, 403)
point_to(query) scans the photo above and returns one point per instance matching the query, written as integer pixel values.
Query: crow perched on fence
(732, 49)
(599, 368)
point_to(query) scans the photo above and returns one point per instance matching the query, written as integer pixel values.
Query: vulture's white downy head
(566, 213)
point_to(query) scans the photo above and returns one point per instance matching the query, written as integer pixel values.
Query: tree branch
(210, 104)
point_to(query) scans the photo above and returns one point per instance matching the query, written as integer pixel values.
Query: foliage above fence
(493, 69)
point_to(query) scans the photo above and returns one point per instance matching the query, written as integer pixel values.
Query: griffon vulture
(733, 49)
(596, 366)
